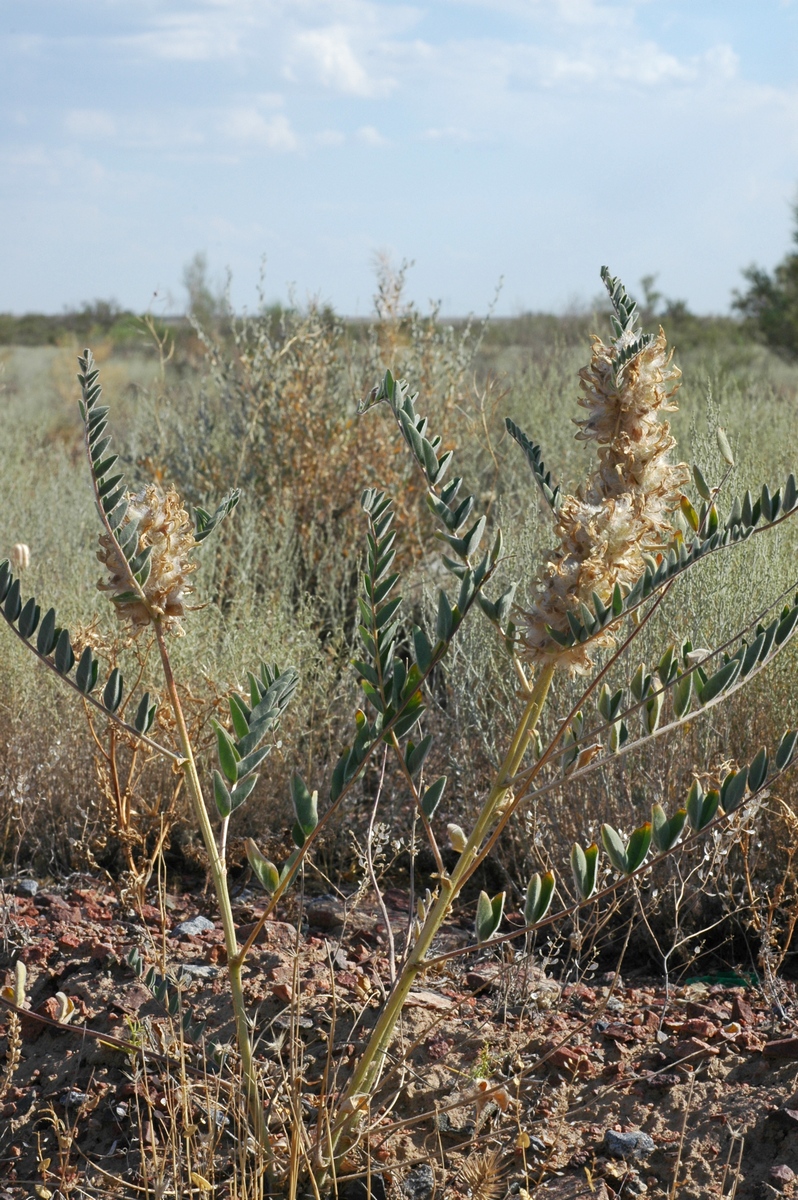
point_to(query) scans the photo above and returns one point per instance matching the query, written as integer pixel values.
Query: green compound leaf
(757, 771)
(86, 674)
(489, 915)
(222, 796)
(64, 658)
(550, 492)
(786, 749)
(616, 851)
(112, 692)
(46, 638)
(305, 805)
(423, 649)
(539, 895)
(445, 620)
(29, 618)
(733, 789)
(415, 755)
(718, 682)
(242, 791)
(701, 809)
(228, 755)
(627, 858)
(682, 694)
(13, 604)
(432, 797)
(252, 761)
(265, 871)
(665, 832)
(637, 847)
(786, 626)
(702, 487)
(145, 714)
(584, 866)
(206, 523)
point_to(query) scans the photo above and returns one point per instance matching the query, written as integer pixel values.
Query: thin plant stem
(370, 1066)
(219, 876)
(373, 874)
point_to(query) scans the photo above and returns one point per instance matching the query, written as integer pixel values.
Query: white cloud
(89, 123)
(188, 37)
(370, 136)
(448, 133)
(332, 59)
(329, 137)
(250, 126)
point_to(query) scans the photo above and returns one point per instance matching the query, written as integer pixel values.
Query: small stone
(419, 1184)
(26, 887)
(199, 970)
(742, 1011)
(782, 1048)
(786, 1117)
(72, 1099)
(193, 927)
(634, 1144)
(781, 1175)
(326, 912)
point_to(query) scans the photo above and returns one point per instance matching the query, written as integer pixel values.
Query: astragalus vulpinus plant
(621, 543)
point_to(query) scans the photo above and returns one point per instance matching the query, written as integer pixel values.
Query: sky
(526, 142)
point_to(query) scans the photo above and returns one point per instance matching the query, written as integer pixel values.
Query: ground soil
(502, 1071)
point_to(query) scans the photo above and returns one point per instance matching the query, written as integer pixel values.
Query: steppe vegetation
(269, 405)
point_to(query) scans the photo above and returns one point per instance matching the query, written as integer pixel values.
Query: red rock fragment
(782, 1048)
(100, 951)
(32, 1029)
(617, 1032)
(569, 1060)
(748, 1040)
(781, 1175)
(699, 1027)
(691, 1049)
(742, 1011)
(438, 1048)
(38, 951)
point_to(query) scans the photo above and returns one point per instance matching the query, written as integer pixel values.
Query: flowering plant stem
(370, 1066)
(219, 876)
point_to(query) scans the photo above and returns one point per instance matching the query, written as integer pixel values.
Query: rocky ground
(507, 1083)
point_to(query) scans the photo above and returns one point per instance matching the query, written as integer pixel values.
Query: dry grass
(274, 410)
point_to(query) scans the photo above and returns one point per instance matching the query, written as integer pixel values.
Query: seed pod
(20, 556)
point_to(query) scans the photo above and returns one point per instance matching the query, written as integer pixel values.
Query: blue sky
(532, 140)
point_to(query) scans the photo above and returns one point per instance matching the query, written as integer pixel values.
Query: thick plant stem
(369, 1068)
(219, 876)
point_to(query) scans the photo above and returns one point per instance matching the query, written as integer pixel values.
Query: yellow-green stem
(219, 876)
(369, 1068)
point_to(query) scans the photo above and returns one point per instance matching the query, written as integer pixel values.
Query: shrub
(622, 541)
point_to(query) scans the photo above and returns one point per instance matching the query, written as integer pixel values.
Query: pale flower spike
(625, 509)
(164, 525)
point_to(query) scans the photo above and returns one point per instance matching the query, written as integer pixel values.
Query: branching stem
(369, 1069)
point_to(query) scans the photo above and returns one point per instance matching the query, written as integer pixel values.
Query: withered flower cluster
(164, 525)
(625, 509)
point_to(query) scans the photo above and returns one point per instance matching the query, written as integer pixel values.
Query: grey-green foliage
(48, 504)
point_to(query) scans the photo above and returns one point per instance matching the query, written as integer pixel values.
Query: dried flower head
(164, 525)
(625, 509)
